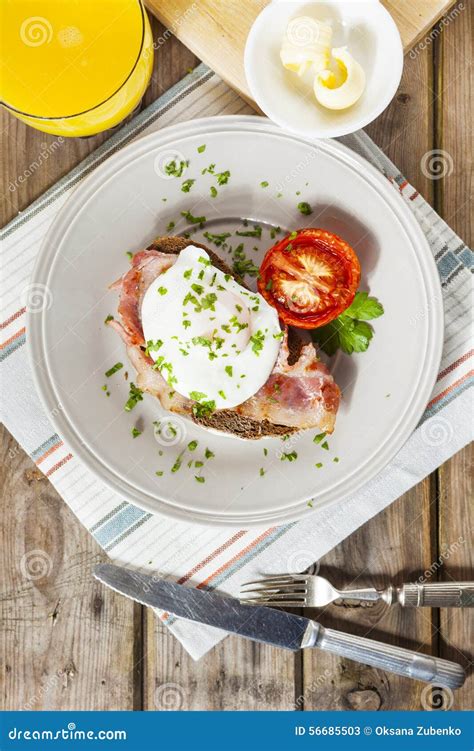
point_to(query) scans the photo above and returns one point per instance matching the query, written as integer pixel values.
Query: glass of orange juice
(74, 67)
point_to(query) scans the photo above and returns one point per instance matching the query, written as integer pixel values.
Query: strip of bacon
(298, 395)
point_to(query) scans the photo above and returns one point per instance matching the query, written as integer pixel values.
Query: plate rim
(94, 181)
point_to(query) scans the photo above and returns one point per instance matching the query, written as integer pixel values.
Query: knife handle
(393, 659)
(437, 595)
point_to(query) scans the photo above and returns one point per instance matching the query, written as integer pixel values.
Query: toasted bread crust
(226, 420)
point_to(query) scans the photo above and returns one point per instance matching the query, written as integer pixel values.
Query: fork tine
(297, 588)
(283, 596)
(283, 579)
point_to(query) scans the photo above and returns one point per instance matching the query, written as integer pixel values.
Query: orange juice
(74, 67)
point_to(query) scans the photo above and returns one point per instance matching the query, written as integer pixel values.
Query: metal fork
(311, 591)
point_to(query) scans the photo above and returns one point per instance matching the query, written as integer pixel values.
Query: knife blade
(275, 627)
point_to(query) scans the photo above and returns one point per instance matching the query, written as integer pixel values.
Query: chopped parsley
(318, 438)
(223, 177)
(228, 369)
(209, 454)
(291, 456)
(255, 232)
(162, 291)
(265, 452)
(274, 232)
(262, 471)
(136, 432)
(305, 208)
(187, 273)
(318, 465)
(203, 409)
(201, 149)
(170, 226)
(243, 265)
(325, 446)
(198, 478)
(197, 396)
(153, 346)
(113, 369)
(217, 239)
(129, 255)
(177, 465)
(350, 331)
(264, 184)
(108, 318)
(135, 396)
(234, 321)
(214, 191)
(222, 394)
(257, 340)
(209, 169)
(192, 445)
(194, 219)
(159, 473)
(187, 185)
(336, 459)
(176, 169)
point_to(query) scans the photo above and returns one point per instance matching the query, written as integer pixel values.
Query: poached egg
(213, 341)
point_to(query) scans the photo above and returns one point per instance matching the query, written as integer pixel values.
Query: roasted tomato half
(310, 277)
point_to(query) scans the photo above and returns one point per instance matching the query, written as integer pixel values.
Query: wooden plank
(235, 675)
(398, 544)
(455, 138)
(216, 30)
(66, 642)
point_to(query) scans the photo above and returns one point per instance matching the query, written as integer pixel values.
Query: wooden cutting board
(216, 30)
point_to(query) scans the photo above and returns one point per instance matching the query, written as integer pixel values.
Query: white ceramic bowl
(373, 39)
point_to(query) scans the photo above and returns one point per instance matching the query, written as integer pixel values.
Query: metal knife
(275, 627)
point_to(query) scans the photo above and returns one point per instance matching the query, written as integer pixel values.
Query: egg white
(212, 340)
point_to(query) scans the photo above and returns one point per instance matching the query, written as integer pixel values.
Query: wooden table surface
(69, 643)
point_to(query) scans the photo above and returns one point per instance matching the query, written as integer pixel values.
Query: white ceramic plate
(372, 37)
(120, 208)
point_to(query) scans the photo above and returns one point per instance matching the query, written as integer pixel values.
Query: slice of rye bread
(226, 420)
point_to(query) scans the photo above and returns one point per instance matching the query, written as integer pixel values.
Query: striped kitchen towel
(207, 556)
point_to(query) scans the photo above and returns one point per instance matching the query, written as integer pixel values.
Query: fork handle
(437, 595)
(393, 659)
